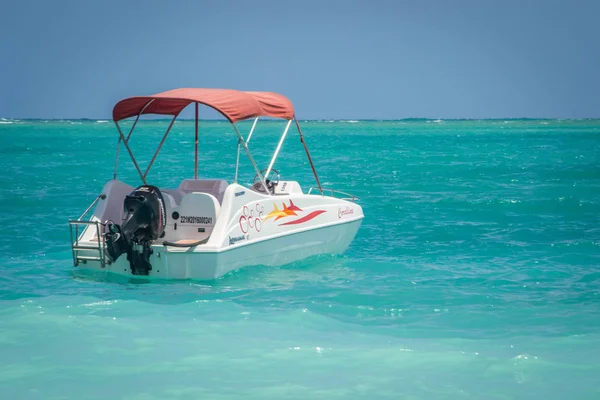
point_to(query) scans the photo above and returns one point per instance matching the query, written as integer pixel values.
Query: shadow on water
(249, 281)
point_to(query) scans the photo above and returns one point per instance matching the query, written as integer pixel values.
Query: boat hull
(209, 265)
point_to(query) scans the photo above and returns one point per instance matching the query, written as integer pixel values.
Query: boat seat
(215, 187)
(111, 208)
(170, 203)
(198, 214)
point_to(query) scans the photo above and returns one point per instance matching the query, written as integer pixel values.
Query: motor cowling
(144, 222)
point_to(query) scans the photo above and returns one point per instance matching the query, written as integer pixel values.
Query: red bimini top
(233, 104)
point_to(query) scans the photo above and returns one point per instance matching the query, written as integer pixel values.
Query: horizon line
(415, 119)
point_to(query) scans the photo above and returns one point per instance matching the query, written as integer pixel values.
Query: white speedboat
(205, 228)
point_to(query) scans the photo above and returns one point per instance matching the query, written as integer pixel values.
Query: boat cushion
(216, 187)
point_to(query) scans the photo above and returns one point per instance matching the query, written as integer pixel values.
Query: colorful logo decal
(291, 211)
(251, 218)
(345, 211)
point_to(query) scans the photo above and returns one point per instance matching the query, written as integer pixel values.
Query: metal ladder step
(80, 247)
(76, 247)
(88, 258)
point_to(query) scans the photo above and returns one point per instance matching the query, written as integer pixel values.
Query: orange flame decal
(291, 211)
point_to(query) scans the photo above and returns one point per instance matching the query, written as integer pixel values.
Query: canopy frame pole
(117, 158)
(287, 127)
(159, 147)
(252, 130)
(138, 118)
(237, 159)
(127, 140)
(130, 153)
(243, 143)
(196, 146)
(237, 162)
(308, 154)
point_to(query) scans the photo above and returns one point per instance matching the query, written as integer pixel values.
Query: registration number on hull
(195, 220)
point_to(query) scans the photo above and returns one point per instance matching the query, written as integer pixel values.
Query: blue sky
(333, 59)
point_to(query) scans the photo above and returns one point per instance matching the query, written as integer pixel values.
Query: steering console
(271, 184)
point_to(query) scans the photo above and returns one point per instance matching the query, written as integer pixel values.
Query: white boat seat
(111, 209)
(198, 214)
(170, 202)
(215, 187)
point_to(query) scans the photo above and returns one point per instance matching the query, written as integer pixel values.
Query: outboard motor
(145, 220)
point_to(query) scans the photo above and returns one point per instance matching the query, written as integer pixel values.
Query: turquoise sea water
(475, 274)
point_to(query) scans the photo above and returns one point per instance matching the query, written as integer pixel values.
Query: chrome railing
(333, 192)
(74, 230)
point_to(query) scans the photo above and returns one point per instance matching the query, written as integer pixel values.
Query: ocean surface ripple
(475, 274)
